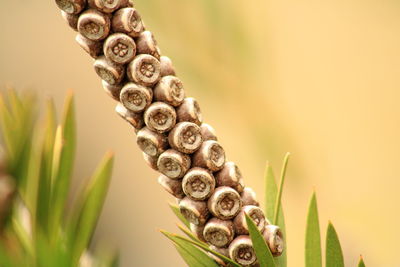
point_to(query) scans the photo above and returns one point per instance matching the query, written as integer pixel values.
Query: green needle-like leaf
(175, 209)
(313, 252)
(361, 262)
(334, 254)
(189, 234)
(280, 189)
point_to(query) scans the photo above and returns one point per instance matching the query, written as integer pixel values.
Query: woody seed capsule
(172, 186)
(185, 137)
(108, 71)
(255, 213)
(170, 90)
(106, 6)
(146, 44)
(144, 70)
(210, 155)
(128, 21)
(119, 48)
(71, 19)
(135, 97)
(166, 66)
(197, 230)
(94, 25)
(218, 232)
(241, 250)
(151, 161)
(274, 238)
(208, 132)
(230, 175)
(71, 6)
(151, 143)
(160, 117)
(223, 251)
(195, 212)
(189, 110)
(198, 184)
(173, 164)
(224, 203)
(112, 90)
(136, 120)
(249, 197)
(93, 48)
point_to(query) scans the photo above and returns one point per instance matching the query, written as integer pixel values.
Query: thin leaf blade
(175, 209)
(313, 254)
(334, 254)
(361, 262)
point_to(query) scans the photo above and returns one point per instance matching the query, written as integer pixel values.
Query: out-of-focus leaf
(334, 254)
(264, 256)
(361, 262)
(313, 254)
(175, 209)
(189, 234)
(280, 189)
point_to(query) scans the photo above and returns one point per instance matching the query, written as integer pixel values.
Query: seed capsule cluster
(170, 129)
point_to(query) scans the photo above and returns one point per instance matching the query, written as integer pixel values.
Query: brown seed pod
(93, 48)
(249, 197)
(166, 66)
(135, 97)
(210, 155)
(230, 175)
(71, 6)
(208, 132)
(160, 117)
(173, 164)
(106, 6)
(185, 137)
(136, 120)
(224, 203)
(112, 90)
(218, 232)
(151, 143)
(146, 44)
(189, 110)
(255, 213)
(223, 251)
(274, 238)
(144, 70)
(127, 20)
(198, 184)
(172, 186)
(110, 72)
(241, 250)
(195, 212)
(119, 48)
(71, 19)
(151, 161)
(94, 25)
(197, 230)
(170, 90)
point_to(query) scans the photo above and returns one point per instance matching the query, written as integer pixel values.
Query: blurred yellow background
(320, 79)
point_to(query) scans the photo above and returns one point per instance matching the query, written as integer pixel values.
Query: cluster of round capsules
(169, 127)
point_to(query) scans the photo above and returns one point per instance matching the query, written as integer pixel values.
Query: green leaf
(175, 209)
(264, 256)
(361, 262)
(189, 234)
(334, 255)
(313, 252)
(280, 189)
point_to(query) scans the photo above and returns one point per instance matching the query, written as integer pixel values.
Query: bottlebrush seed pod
(128, 21)
(185, 137)
(93, 48)
(210, 155)
(223, 251)
(135, 97)
(146, 44)
(71, 6)
(144, 70)
(249, 197)
(274, 238)
(197, 230)
(112, 90)
(189, 110)
(160, 117)
(151, 143)
(94, 25)
(151, 161)
(198, 184)
(208, 132)
(173, 164)
(170, 90)
(119, 48)
(255, 213)
(136, 120)
(231, 176)
(172, 186)
(241, 250)
(166, 66)
(224, 203)
(110, 72)
(195, 212)
(218, 232)
(71, 19)
(106, 6)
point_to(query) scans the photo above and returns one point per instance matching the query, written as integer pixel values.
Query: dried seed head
(210, 155)
(136, 120)
(241, 250)
(93, 48)
(106, 6)
(230, 175)
(170, 90)
(198, 184)
(110, 72)
(144, 70)
(160, 117)
(225, 203)
(185, 137)
(71, 6)
(195, 212)
(219, 232)
(151, 143)
(172, 186)
(146, 44)
(197, 230)
(249, 197)
(166, 66)
(151, 161)
(94, 25)
(71, 19)
(119, 48)
(189, 110)
(173, 164)
(255, 213)
(112, 90)
(208, 132)
(135, 97)
(274, 238)
(127, 20)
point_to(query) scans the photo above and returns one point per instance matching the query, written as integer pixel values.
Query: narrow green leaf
(361, 262)
(189, 234)
(280, 189)
(334, 254)
(264, 256)
(175, 209)
(313, 252)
